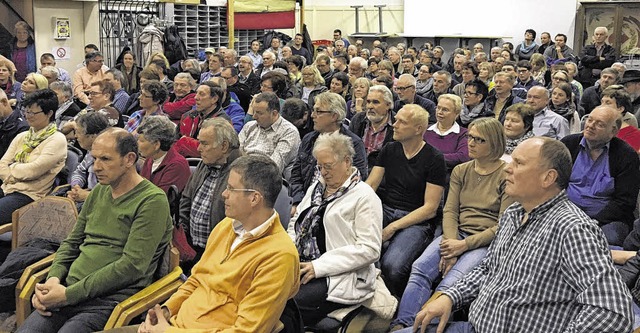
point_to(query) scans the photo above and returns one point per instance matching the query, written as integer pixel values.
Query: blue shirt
(591, 184)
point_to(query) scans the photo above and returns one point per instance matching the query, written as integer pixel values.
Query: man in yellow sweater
(249, 268)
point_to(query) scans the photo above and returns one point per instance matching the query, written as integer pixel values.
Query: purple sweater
(453, 145)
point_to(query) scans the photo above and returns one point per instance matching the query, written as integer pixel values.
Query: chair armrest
(145, 299)
(31, 270)
(5, 228)
(23, 301)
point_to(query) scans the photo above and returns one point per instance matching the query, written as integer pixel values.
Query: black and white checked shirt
(552, 274)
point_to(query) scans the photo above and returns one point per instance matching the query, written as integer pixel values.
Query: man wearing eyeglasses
(525, 80)
(249, 269)
(84, 76)
(406, 90)
(605, 177)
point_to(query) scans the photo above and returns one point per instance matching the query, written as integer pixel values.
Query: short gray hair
(50, 70)
(117, 75)
(158, 128)
(387, 95)
(224, 131)
(63, 87)
(338, 144)
(184, 75)
(359, 61)
(334, 103)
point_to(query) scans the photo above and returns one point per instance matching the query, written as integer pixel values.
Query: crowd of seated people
(408, 175)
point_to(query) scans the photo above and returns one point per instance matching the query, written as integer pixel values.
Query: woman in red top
(163, 165)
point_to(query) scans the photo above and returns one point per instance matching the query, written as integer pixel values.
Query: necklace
(413, 154)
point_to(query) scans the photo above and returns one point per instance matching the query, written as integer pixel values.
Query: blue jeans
(11, 202)
(85, 317)
(455, 327)
(402, 249)
(636, 315)
(424, 273)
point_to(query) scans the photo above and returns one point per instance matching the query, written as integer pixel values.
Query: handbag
(187, 253)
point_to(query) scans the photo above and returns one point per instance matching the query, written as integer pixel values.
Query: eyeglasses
(475, 139)
(319, 112)
(95, 93)
(468, 93)
(231, 189)
(327, 167)
(398, 88)
(29, 113)
(262, 85)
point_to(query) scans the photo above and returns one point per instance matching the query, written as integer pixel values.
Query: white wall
(83, 23)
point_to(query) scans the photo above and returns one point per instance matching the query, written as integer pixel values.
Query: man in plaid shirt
(549, 267)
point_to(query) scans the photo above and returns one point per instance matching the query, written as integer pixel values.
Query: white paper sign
(61, 52)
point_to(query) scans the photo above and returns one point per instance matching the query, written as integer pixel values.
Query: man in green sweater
(114, 248)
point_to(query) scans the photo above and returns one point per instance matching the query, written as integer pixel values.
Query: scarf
(32, 140)
(513, 143)
(423, 87)
(526, 49)
(565, 110)
(467, 116)
(312, 217)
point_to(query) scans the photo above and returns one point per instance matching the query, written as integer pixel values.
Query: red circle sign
(61, 52)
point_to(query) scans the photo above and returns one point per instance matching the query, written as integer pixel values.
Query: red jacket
(176, 109)
(173, 170)
(190, 124)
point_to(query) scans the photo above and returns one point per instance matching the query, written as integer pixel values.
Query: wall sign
(62, 30)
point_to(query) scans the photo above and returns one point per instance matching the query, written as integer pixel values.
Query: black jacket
(304, 164)
(9, 128)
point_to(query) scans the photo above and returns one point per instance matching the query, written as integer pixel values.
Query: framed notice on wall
(62, 30)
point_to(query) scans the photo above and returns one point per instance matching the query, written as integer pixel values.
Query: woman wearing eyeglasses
(338, 233)
(476, 198)
(152, 96)
(311, 85)
(34, 158)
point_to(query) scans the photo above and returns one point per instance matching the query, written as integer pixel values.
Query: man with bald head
(546, 122)
(605, 177)
(406, 90)
(548, 268)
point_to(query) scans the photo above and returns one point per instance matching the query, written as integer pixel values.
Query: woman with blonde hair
(33, 82)
(538, 67)
(485, 74)
(8, 82)
(359, 93)
(311, 85)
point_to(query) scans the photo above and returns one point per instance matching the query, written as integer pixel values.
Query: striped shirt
(551, 274)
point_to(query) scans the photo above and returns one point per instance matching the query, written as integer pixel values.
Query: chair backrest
(74, 156)
(50, 218)
(283, 205)
(193, 163)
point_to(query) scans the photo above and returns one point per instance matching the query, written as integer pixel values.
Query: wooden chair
(126, 310)
(50, 218)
